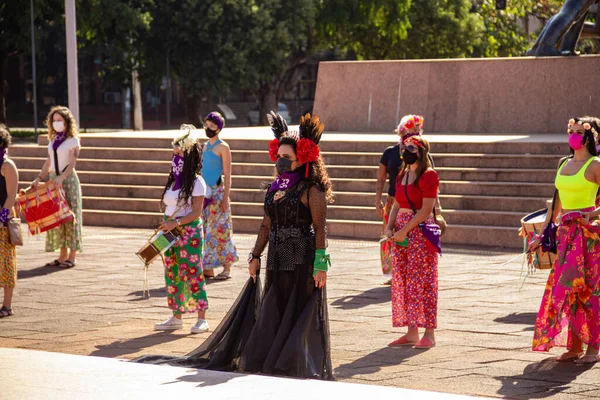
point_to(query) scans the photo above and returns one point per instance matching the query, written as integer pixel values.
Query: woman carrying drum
(183, 198)
(63, 151)
(570, 303)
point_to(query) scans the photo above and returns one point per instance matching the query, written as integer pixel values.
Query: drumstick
(513, 259)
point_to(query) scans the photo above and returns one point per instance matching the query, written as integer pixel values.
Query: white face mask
(58, 126)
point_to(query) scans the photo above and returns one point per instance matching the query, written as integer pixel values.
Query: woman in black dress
(286, 330)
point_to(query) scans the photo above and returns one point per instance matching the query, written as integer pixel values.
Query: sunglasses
(411, 148)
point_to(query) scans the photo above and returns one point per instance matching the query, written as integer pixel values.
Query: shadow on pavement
(205, 378)
(132, 346)
(519, 319)
(553, 377)
(376, 295)
(156, 292)
(39, 271)
(373, 362)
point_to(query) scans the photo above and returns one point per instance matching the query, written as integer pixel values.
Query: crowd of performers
(282, 327)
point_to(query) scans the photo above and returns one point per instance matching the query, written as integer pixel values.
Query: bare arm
(73, 155)
(381, 176)
(226, 157)
(43, 173)
(197, 205)
(11, 175)
(421, 215)
(393, 215)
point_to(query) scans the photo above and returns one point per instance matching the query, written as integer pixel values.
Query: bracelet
(178, 221)
(322, 262)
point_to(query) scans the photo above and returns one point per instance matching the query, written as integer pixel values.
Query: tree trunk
(126, 107)
(138, 121)
(267, 102)
(3, 85)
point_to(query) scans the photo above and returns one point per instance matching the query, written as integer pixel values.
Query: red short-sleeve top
(427, 188)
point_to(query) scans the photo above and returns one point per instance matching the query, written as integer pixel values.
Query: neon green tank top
(575, 191)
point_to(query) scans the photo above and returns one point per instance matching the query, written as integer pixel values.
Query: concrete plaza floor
(486, 315)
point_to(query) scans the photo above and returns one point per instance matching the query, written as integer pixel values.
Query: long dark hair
(317, 173)
(192, 164)
(424, 159)
(590, 141)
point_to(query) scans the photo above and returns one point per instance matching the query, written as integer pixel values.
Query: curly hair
(192, 164)
(424, 160)
(70, 123)
(317, 173)
(5, 137)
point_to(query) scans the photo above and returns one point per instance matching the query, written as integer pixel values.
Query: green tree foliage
(506, 31)
(113, 32)
(203, 42)
(368, 29)
(277, 46)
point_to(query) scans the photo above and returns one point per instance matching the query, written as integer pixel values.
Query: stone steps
(486, 188)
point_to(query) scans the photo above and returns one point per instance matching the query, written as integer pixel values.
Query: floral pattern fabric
(8, 260)
(184, 275)
(414, 280)
(218, 232)
(69, 234)
(385, 248)
(571, 297)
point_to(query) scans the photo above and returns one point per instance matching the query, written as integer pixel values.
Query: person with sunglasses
(569, 314)
(414, 262)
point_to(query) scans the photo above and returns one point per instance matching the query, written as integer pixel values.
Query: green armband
(322, 261)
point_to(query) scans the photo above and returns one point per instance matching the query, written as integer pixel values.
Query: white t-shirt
(63, 151)
(171, 197)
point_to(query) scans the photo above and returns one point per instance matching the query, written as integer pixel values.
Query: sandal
(223, 276)
(424, 343)
(5, 312)
(54, 263)
(587, 359)
(67, 264)
(570, 356)
(403, 341)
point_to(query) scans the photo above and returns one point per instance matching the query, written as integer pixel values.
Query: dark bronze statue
(562, 32)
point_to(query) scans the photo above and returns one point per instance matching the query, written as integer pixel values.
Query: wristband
(322, 262)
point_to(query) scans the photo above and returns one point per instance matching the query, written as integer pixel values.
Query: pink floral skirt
(571, 296)
(414, 280)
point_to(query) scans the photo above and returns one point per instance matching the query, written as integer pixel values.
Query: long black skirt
(286, 332)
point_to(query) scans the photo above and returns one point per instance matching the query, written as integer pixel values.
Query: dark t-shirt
(392, 161)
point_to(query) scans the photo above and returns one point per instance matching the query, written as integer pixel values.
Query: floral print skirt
(571, 297)
(414, 280)
(184, 276)
(219, 248)
(8, 261)
(69, 234)
(385, 248)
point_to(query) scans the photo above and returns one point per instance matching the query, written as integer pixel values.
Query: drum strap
(56, 169)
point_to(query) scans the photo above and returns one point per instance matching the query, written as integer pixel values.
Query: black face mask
(283, 165)
(210, 133)
(409, 158)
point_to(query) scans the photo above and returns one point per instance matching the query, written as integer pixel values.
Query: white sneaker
(200, 327)
(169, 325)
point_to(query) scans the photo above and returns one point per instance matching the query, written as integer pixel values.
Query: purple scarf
(58, 140)
(177, 165)
(285, 181)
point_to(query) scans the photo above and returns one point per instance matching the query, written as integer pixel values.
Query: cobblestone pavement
(486, 313)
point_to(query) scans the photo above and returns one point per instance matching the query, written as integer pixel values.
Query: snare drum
(532, 225)
(158, 244)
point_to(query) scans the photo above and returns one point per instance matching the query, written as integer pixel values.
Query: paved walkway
(485, 318)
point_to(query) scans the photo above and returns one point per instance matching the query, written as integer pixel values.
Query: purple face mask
(576, 141)
(177, 165)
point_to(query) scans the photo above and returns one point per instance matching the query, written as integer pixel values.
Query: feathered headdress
(307, 138)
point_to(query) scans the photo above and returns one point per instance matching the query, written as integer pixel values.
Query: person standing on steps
(63, 151)
(219, 247)
(9, 181)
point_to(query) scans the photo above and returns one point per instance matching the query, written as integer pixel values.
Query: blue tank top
(212, 164)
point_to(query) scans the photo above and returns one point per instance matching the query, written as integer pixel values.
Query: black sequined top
(293, 226)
